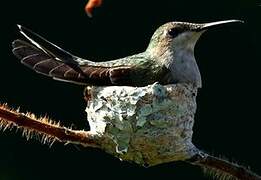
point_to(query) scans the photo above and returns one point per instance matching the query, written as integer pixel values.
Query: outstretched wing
(46, 58)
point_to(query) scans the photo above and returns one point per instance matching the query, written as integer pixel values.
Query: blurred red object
(91, 5)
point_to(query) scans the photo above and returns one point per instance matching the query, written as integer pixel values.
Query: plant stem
(222, 168)
(45, 127)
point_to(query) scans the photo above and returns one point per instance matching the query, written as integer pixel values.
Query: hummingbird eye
(173, 32)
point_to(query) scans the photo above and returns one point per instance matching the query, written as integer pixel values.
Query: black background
(227, 122)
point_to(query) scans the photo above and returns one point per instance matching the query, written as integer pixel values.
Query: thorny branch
(222, 169)
(48, 130)
(51, 131)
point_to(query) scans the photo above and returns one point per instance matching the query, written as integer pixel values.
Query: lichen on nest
(148, 125)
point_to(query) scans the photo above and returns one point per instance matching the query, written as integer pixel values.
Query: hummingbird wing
(46, 58)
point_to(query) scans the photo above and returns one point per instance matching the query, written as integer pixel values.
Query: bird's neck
(181, 63)
(183, 66)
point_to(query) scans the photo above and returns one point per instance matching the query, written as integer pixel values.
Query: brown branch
(222, 168)
(48, 129)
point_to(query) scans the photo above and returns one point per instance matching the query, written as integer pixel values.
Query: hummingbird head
(173, 44)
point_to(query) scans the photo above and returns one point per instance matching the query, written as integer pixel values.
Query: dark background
(227, 122)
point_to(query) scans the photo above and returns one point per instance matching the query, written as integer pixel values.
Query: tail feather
(21, 50)
(51, 49)
(47, 46)
(46, 58)
(44, 63)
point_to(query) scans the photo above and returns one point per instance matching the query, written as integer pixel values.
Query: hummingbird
(168, 59)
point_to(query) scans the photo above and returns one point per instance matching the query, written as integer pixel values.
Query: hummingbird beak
(207, 26)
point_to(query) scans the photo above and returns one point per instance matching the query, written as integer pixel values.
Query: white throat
(181, 61)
